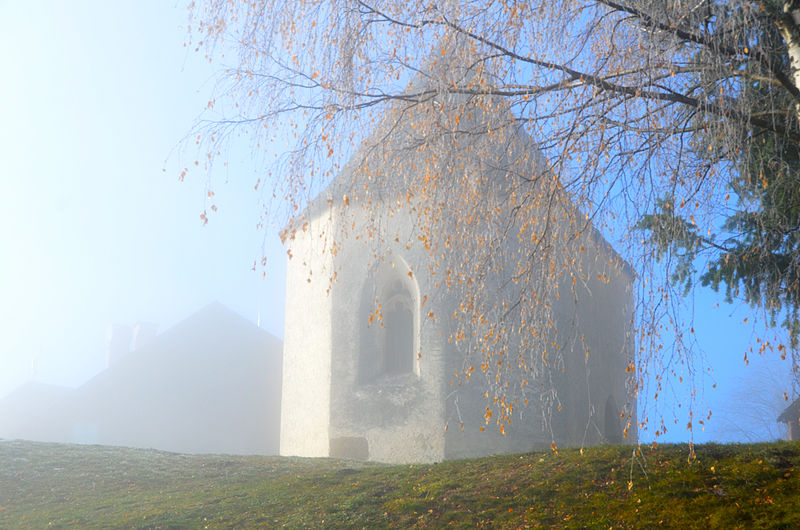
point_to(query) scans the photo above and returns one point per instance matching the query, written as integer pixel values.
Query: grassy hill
(52, 485)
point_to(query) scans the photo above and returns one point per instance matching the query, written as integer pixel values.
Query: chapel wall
(305, 402)
(359, 411)
(504, 161)
(594, 319)
(379, 416)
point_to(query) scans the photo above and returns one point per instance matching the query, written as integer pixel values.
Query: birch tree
(672, 126)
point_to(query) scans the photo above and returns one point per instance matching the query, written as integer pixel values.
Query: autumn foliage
(669, 127)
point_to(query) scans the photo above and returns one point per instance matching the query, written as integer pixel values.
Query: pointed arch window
(392, 342)
(397, 350)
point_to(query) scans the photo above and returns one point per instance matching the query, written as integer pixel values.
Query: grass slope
(52, 485)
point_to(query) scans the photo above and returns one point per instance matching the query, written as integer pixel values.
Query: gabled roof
(441, 72)
(517, 145)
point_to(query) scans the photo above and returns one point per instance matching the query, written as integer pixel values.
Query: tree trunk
(789, 24)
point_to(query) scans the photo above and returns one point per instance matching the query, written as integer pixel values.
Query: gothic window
(398, 335)
(390, 340)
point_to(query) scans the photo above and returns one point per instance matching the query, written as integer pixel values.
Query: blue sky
(95, 227)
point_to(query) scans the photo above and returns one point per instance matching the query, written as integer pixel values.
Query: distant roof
(791, 413)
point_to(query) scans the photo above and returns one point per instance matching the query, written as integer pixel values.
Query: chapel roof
(343, 184)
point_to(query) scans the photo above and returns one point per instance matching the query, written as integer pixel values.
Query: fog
(99, 235)
(210, 384)
(96, 230)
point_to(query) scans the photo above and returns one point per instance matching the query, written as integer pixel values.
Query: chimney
(118, 343)
(143, 333)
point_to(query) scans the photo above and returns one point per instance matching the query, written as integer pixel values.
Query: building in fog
(791, 417)
(359, 389)
(210, 384)
(27, 412)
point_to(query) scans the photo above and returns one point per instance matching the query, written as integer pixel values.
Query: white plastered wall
(595, 333)
(398, 417)
(305, 404)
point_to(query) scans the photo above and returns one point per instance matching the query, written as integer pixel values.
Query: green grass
(724, 486)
